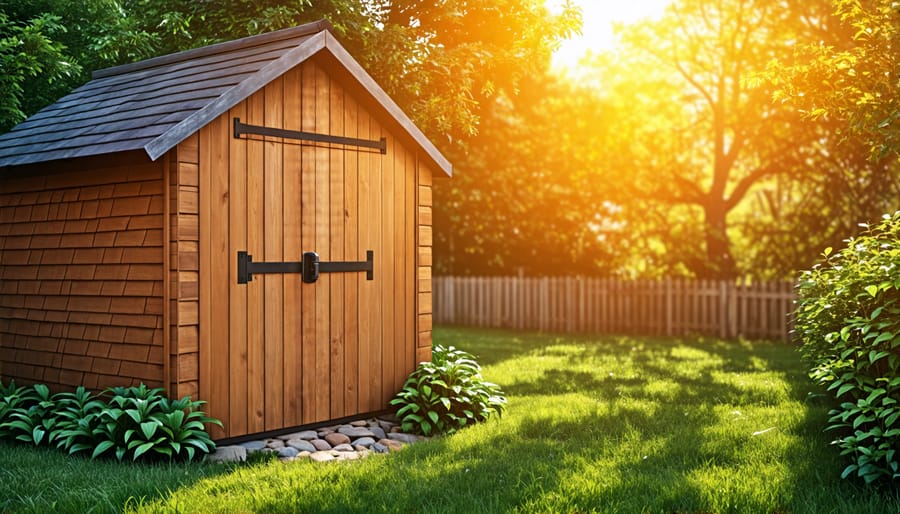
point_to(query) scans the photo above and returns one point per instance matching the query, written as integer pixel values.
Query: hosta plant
(13, 399)
(125, 423)
(447, 394)
(848, 321)
(78, 417)
(143, 422)
(33, 419)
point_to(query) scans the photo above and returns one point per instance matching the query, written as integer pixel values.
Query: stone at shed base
(393, 445)
(254, 446)
(302, 445)
(225, 454)
(321, 457)
(287, 452)
(337, 439)
(321, 445)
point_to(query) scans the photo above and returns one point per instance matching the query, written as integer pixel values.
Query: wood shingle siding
(81, 296)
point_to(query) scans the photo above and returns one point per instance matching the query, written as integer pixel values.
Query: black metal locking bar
(243, 128)
(309, 267)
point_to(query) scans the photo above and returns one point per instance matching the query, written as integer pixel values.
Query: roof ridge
(260, 39)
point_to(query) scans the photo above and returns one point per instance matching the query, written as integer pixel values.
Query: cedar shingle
(98, 349)
(106, 366)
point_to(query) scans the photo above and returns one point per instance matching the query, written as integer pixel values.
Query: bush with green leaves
(447, 394)
(848, 321)
(133, 422)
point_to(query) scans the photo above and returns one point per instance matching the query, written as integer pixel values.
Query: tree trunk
(720, 262)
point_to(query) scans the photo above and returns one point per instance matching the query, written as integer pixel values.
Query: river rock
(354, 432)
(365, 442)
(392, 444)
(228, 454)
(321, 445)
(254, 446)
(287, 452)
(336, 438)
(403, 438)
(302, 445)
(321, 457)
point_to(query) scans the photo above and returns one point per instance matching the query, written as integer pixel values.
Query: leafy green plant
(78, 417)
(135, 422)
(447, 394)
(13, 399)
(848, 321)
(141, 421)
(33, 420)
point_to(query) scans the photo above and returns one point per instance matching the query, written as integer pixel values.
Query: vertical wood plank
(323, 247)
(336, 158)
(308, 293)
(237, 320)
(351, 247)
(274, 252)
(379, 309)
(366, 288)
(411, 206)
(207, 389)
(293, 305)
(219, 269)
(388, 291)
(401, 339)
(255, 292)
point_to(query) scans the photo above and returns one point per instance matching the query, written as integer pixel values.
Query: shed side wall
(81, 262)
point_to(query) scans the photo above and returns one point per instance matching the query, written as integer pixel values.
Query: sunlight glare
(597, 32)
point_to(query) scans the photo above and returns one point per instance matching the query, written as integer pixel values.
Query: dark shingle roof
(155, 104)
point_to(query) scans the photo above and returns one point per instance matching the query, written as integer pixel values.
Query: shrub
(78, 419)
(848, 321)
(142, 421)
(135, 422)
(33, 419)
(447, 394)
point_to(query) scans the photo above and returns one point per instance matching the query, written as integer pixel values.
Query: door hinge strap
(243, 128)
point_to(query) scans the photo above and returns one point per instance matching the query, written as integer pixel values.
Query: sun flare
(597, 31)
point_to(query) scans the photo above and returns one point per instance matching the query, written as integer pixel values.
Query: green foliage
(135, 422)
(447, 394)
(142, 422)
(78, 417)
(28, 51)
(848, 319)
(34, 419)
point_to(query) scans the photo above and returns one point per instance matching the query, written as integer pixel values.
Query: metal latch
(309, 267)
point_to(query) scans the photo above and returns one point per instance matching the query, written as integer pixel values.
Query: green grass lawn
(606, 424)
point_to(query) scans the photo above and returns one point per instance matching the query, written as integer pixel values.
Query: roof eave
(324, 40)
(170, 138)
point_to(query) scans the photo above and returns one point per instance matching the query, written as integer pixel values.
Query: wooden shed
(247, 223)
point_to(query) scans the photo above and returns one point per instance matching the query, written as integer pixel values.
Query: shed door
(277, 352)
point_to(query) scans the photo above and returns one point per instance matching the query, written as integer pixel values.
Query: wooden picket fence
(671, 307)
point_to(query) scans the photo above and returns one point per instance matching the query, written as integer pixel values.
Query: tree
(529, 197)
(705, 136)
(440, 60)
(853, 80)
(28, 51)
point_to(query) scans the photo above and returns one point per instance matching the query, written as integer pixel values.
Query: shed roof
(153, 105)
